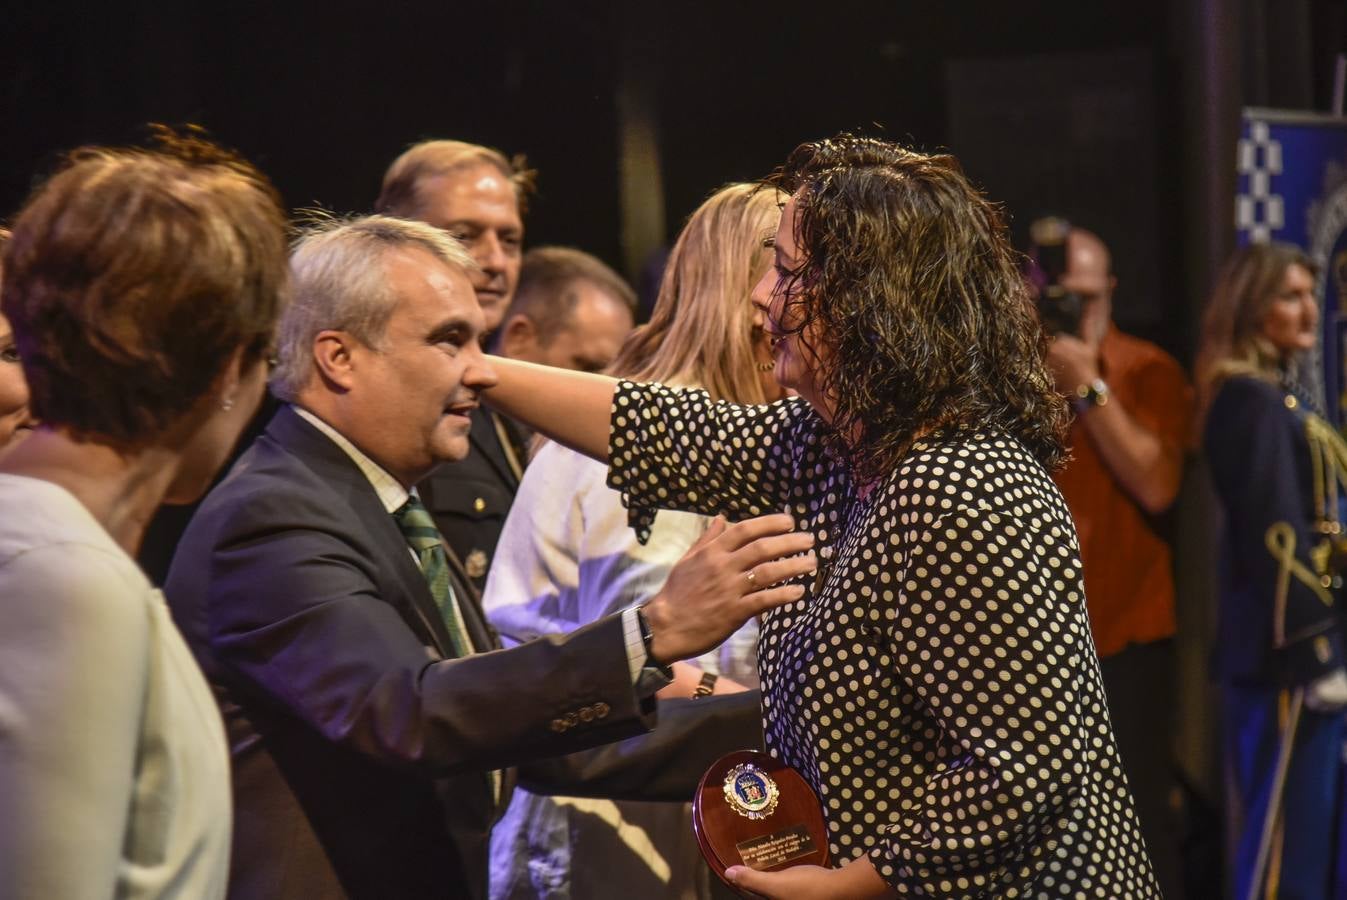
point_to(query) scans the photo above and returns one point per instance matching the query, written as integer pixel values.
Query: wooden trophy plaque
(756, 811)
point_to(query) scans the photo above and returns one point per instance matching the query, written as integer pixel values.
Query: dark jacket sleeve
(298, 613)
(1259, 461)
(666, 764)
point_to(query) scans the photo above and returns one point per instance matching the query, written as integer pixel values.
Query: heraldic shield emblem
(752, 809)
(750, 792)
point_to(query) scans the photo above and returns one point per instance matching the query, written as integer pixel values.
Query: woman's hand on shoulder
(855, 880)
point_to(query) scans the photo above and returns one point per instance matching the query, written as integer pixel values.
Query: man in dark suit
(368, 722)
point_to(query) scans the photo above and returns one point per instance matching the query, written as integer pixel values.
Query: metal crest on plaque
(750, 791)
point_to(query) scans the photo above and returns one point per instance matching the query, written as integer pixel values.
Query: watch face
(646, 640)
(1093, 394)
(644, 625)
(706, 687)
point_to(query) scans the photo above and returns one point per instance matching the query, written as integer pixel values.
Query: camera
(1058, 309)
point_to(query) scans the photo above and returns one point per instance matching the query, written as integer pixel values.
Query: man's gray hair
(338, 282)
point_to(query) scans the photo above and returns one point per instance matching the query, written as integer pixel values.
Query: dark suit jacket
(359, 749)
(470, 498)
(1263, 468)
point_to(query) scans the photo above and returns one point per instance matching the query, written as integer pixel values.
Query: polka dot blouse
(937, 683)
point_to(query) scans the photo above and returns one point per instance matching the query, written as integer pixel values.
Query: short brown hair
(132, 277)
(544, 294)
(429, 159)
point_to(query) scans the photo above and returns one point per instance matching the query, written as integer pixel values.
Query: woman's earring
(227, 404)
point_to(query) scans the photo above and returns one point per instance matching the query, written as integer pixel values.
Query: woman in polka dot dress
(937, 683)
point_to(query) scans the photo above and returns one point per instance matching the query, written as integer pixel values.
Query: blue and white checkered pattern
(1259, 211)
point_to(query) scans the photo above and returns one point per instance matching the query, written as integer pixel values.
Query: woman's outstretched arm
(666, 448)
(572, 408)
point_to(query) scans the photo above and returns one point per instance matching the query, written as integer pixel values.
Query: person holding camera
(1132, 408)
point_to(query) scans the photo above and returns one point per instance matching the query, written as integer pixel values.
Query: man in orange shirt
(1132, 405)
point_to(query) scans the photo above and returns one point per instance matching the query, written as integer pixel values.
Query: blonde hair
(701, 331)
(1232, 343)
(428, 159)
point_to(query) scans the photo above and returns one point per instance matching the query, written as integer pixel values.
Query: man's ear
(518, 338)
(333, 357)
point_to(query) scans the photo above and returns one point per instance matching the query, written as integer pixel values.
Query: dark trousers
(1141, 704)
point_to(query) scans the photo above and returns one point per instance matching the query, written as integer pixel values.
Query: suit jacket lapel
(299, 437)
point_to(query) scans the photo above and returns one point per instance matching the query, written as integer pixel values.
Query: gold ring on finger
(752, 579)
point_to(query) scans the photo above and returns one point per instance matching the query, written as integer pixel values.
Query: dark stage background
(633, 112)
(1119, 114)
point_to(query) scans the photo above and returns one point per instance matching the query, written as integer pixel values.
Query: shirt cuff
(646, 678)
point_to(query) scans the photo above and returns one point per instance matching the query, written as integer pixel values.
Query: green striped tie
(424, 538)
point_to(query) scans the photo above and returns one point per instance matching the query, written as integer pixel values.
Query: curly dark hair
(907, 279)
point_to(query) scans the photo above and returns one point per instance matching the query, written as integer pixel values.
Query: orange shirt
(1129, 583)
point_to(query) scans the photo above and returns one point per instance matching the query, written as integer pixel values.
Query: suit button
(602, 709)
(586, 714)
(572, 720)
(558, 726)
(479, 504)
